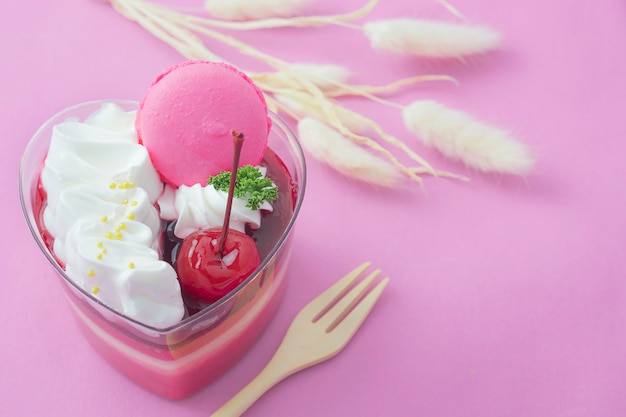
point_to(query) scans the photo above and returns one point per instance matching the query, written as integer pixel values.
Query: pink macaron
(187, 117)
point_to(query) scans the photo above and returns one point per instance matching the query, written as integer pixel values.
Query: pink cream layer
(178, 370)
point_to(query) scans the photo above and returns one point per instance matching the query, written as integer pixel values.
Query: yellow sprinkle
(131, 216)
(124, 201)
(130, 184)
(91, 273)
(99, 256)
(118, 235)
(99, 244)
(134, 203)
(131, 265)
(95, 290)
(104, 250)
(113, 186)
(108, 235)
(104, 219)
(121, 226)
(122, 185)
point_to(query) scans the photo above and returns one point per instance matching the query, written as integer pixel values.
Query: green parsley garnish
(249, 184)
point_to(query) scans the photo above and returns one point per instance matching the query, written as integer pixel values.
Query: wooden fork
(319, 332)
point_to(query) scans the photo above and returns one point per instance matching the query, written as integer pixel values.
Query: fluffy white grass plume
(329, 146)
(460, 137)
(430, 39)
(254, 9)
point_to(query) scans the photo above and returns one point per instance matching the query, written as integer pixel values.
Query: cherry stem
(238, 143)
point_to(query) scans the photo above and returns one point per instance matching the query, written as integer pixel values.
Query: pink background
(507, 295)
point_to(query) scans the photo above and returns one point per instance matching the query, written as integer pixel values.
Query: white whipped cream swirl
(199, 207)
(101, 189)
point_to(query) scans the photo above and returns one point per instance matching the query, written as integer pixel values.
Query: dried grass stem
(316, 93)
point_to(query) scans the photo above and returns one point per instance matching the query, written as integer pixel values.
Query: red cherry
(207, 275)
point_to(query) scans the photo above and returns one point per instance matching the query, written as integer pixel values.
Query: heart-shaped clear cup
(177, 361)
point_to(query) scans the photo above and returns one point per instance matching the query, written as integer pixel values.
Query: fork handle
(272, 374)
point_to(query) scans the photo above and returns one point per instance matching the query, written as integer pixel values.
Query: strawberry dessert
(168, 221)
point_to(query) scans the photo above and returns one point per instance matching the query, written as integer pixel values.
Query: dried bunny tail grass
(430, 39)
(271, 104)
(387, 138)
(174, 29)
(333, 81)
(176, 15)
(331, 147)
(439, 173)
(317, 97)
(449, 7)
(178, 38)
(318, 106)
(270, 19)
(368, 90)
(460, 137)
(254, 9)
(326, 77)
(181, 23)
(297, 106)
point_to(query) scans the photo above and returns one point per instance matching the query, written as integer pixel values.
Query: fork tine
(351, 323)
(343, 306)
(322, 302)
